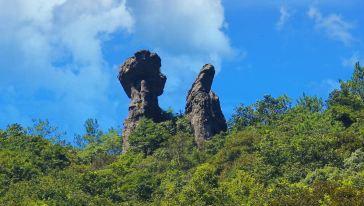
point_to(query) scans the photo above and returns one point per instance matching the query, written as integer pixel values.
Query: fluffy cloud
(54, 66)
(333, 25)
(53, 57)
(187, 33)
(183, 26)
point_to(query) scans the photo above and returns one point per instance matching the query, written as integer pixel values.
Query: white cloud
(285, 15)
(55, 47)
(334, 26)
(186, 28)
(55, 64)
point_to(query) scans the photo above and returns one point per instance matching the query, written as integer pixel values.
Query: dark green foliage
(274, 154)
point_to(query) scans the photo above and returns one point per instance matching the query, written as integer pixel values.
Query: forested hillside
(276, 152)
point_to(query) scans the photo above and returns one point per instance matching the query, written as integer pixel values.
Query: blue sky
(59, 58)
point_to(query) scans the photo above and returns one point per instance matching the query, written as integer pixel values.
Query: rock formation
(203, 107)
(143, 82)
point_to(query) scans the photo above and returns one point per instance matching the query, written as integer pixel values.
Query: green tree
(148, 136)
(346, 102)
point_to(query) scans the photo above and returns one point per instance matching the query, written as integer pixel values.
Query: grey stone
(143, 82)
(203, 107)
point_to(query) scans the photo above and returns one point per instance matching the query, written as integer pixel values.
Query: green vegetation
(275, 153)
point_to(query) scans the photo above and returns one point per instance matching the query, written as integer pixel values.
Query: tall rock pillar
(143, 82)
(203, 107)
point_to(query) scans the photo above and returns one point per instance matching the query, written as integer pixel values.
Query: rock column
(143, 82)
(203, 107)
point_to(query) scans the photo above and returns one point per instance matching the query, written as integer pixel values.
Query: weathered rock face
(143, 82)
(203, 107)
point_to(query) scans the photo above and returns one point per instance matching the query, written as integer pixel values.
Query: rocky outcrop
(143, 82)
(203, 107)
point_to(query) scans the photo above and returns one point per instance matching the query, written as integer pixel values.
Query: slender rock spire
(203, 107)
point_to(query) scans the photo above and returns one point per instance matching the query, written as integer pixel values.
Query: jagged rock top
(202, 83)
(204, 80)
(144, 65)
